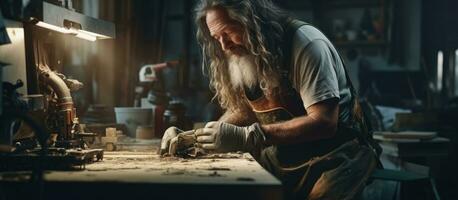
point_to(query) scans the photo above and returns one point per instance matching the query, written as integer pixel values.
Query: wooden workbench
(144, 175)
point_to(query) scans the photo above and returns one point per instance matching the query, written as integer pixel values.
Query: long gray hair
(261, 20)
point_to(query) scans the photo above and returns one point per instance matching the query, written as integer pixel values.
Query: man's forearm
(319, 123)
(297, 130)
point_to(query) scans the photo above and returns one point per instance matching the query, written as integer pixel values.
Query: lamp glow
(53, 27)
(86, 35)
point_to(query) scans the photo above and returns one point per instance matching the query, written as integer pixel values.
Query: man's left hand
(169, 134)
(176, 140)
(182, 142)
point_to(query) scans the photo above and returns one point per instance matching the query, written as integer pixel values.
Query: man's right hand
(224, 137)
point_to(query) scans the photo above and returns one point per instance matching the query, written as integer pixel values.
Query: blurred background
(402, 56)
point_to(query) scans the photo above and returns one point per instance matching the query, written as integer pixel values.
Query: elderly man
(288, 99)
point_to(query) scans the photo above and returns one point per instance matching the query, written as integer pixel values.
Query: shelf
(329, 5)
(360, 43)
(341, 4)
(296, 5)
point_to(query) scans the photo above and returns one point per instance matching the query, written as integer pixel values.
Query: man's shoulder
(305, 34)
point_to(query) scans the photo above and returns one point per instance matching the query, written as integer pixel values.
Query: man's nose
(225, 43)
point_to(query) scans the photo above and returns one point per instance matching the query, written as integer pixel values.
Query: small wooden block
(110, 147)
(106, 140)
(113, 139)
(110, 132)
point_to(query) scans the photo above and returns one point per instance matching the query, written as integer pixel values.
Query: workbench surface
(145, 174)
(144, 167)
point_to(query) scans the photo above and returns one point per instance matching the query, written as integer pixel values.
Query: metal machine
(53, 123)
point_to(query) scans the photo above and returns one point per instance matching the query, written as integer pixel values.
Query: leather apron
(335, 168)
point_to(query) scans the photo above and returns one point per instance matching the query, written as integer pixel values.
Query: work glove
(224, 137)
(176, 140)
(169, 134)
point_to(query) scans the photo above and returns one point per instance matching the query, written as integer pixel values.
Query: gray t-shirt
(317, 70)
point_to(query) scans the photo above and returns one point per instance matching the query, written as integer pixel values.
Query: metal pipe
(64, 98)
(58, 85)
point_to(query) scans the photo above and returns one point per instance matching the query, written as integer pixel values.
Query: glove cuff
(255, 138)
(232, 138)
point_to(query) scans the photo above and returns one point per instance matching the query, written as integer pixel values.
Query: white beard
(242, 71)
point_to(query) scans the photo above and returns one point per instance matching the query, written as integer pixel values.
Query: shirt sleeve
(314, 75)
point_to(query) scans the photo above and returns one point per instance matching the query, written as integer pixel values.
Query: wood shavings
(219, 169)
(171, 171)
(224, 155)
(114, 169)
(213, 174)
